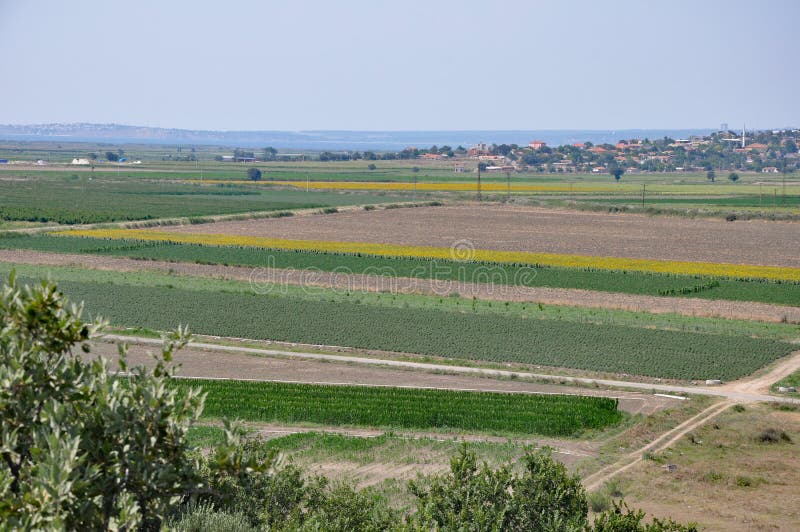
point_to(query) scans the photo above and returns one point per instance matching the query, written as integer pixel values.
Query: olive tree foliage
(80, 447)
(476, 497)
(543, 497)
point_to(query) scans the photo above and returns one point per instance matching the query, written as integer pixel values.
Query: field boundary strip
(749, 271)
(489, 186)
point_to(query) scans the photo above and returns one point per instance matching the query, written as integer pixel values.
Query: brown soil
(543, 230)
(374, 283)
(727, 479)
(209, 364)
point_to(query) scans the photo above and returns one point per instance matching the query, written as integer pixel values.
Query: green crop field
(408, 408)
(524, 310)
(783, 293)
(81, 200)
(443, 332)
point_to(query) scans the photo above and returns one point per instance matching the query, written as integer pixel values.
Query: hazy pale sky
(402, 65)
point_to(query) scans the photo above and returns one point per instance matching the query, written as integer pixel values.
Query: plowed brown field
(541, 230)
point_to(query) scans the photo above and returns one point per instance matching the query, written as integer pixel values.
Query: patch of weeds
(738, 408)
(600, 500)
(713, 476)
(748, 482)
(653, 457)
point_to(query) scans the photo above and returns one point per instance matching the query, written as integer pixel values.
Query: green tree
(733, 176)
(111, 156)
(617, 172)
(270, 153)
(711, 175)
(79, 447)
(623, 519)
(475, 497)
(254, 174)
(372, 166)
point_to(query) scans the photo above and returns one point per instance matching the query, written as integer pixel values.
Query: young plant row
(407, 408)
(444, 333)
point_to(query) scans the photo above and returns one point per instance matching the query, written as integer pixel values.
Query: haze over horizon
(367, 66)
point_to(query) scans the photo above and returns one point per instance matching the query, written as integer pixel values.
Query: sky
(410, 65)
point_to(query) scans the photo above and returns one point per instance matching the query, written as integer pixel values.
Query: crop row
(408, 408)
(437, 332)
(480, 255)
(766, 291)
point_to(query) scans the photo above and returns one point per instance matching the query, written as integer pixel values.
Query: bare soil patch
(543, 230)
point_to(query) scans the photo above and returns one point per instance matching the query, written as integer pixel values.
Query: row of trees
(84, 449)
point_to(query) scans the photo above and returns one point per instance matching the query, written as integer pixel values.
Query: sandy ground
(543, 230)
(373, 283)
(209, 364)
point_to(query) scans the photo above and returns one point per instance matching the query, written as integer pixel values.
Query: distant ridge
(322, 140)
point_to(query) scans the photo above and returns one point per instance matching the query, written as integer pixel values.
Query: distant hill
(322, 140)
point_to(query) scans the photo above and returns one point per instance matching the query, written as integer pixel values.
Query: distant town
(768, 152)
(759, 151)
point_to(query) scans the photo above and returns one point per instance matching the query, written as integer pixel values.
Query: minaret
(742, 136)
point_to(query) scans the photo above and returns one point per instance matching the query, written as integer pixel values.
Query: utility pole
(415, 186)
(307, 182)
(479, 179)
(644, 188)
(784, 180)
(508, 186)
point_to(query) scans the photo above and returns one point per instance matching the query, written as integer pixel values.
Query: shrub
(773, 436)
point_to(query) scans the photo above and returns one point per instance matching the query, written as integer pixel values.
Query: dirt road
(200, 362)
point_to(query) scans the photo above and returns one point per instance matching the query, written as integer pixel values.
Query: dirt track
(372, 283)
(542, 230)
(201, 363)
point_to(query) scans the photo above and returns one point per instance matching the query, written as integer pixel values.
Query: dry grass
(739, 472)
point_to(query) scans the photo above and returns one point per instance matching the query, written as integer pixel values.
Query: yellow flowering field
(431, 252)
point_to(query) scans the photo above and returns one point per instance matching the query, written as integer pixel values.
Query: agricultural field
(531, 230)
(375, 383)
(458, 332)
(407, 408)
(529, 275)
(79, 199)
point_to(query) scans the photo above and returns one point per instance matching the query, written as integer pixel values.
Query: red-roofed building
(537, 144)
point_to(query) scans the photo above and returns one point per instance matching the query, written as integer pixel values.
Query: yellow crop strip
(430, 252)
